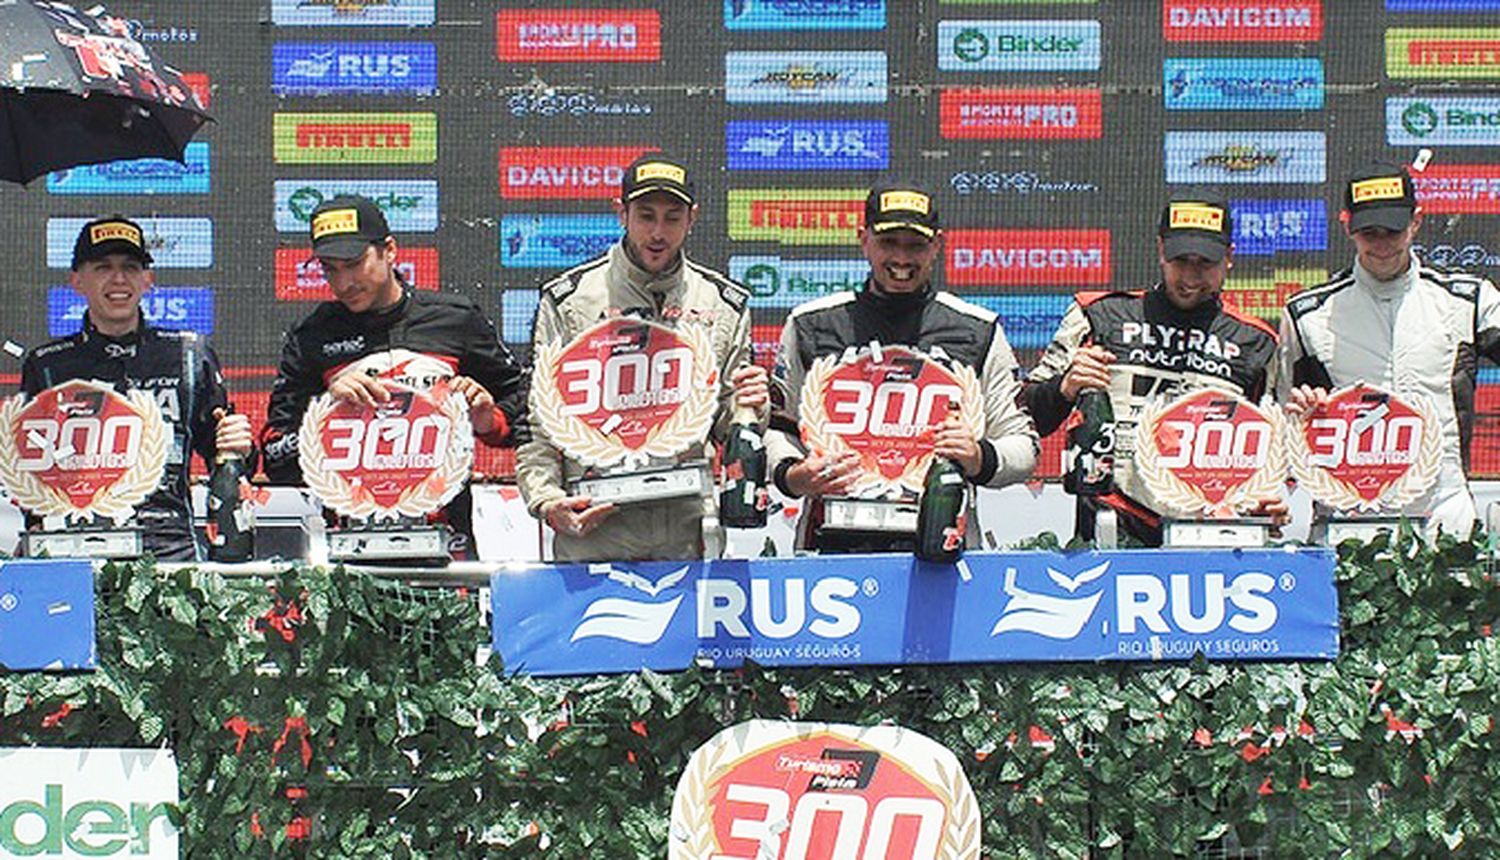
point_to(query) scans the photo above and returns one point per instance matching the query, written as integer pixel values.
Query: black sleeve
(31, 376)
(209, 395)
(1045, 401)
(296, 384)
(489, 362)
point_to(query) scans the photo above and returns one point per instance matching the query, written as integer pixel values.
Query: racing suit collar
(894, 303)
(1157, 302)
(90, 332)
(653, 283)
(395, 311)
(1386, 289)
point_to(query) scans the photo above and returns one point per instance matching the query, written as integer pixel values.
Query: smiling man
(1398, 324)
(898, 305)
(378, 327)
(1176, 337)
(646, 275)
(112, 272)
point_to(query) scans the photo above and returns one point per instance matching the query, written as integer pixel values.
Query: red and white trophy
(82, 456)
(1206, 459)
(1365, 454)
(387, 468)
(883, 403)
(627, 398)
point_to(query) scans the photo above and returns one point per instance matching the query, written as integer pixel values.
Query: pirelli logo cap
(656, 172)
(113, 235)
(344, 226)
(1379, 194)
(902, 206)
(1196, 222)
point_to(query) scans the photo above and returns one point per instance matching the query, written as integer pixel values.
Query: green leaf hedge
(329, 714)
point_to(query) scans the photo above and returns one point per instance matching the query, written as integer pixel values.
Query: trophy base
(415, 543)
(870, 515)
(1333, 531)
(84, 543)
(1245, 533)
(673, 482)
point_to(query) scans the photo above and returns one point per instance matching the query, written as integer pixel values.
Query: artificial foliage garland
(333, 715)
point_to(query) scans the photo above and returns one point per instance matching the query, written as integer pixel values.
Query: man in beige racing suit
(647, 276)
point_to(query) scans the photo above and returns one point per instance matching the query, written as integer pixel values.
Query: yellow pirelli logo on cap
(905, 201)
(1381, 188)
(1195, 216)
(112, 230)
(654, 170)
(335, 221)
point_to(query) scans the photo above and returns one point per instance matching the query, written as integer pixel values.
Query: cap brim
(1199, 245)
(1394, 218)
(664, 189)
(341, 247)
(887, 226)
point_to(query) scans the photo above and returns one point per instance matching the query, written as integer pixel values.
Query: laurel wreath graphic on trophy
(116, 502)
(1172, 495)
(692, 828)
(1321, 484)
(814, 423)
(684, 428)
(417, 500)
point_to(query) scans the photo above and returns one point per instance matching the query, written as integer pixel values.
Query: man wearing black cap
(646, 275)
(1399, 325)
(1176, 337)
(112, 271)
(898, 305)
(378, 327)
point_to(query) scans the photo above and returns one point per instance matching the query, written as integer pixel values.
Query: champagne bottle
(231, 524)
(942, 515)
(1091, 446)
(744, 496)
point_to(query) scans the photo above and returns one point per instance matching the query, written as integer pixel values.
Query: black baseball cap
(344, 226)
(656, 172)
(900, 205)
(1196, 221)
(1379, 194)
(113, 235)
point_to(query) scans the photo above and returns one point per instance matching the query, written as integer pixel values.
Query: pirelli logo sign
(797, 216)
(113, 230)
(355, 138)
(335, 221)
(1195, 216)
(1381, 188)
(905, 201)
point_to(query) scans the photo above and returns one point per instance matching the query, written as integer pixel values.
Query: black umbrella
(76, 88)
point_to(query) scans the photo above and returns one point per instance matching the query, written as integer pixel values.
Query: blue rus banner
(47, 615)
(1128, 605)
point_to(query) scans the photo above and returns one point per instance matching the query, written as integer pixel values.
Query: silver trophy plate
(387, 544)
(673, 482)
(1336, 530)
(1217, 533)
(870, 515)
(84, 543)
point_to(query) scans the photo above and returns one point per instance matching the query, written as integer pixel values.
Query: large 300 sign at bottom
(888, 609)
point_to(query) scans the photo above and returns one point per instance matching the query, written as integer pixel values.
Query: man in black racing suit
(1176, 337)
(378, 327)
(112, 271)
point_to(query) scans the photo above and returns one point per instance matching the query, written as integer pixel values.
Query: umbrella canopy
(76, 88)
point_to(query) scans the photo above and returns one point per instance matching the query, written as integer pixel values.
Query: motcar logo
(797, 77)
(1018, 46)
(138, 175)
(807, 145)
(355, 68)
(1022, 114)
(578, 35)
(1250, 157)
(1242, 21)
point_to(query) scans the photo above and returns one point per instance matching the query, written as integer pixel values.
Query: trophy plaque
(386, 468)
(627, 398)
(1205, 458)
(883, 403)
(82, 456)
(1364, 454)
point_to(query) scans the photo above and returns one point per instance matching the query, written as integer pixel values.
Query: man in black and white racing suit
(898, 306)
(1397, 324)
(1176, 337)
(378, 327)
(112, 271)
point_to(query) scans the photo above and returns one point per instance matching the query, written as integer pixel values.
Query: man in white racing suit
(1397, 324)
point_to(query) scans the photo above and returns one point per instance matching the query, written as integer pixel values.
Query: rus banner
(1274, 604)
(47, 616)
